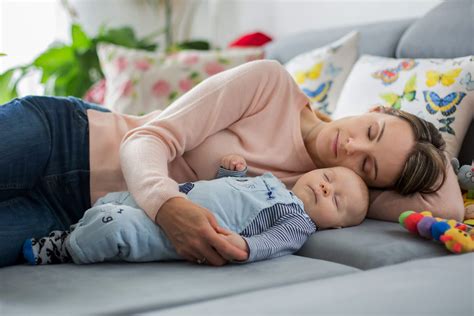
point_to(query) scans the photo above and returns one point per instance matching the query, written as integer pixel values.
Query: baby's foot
(47, 250)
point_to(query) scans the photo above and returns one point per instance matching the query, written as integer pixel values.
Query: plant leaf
(7, 89)
(80, 40)
(124, 36)
(54, 58)
(200, 45)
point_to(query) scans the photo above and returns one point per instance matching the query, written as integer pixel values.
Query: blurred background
(28, 28)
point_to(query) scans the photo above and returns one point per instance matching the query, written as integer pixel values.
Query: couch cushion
(441, 286)
(379, 39)
(444, 32)
(125, 288)
(370, 245)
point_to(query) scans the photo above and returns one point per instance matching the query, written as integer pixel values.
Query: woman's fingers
(188, 227)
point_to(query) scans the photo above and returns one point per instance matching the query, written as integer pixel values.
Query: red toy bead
(411, 221)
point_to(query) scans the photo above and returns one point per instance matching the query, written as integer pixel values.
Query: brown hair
(426, 161)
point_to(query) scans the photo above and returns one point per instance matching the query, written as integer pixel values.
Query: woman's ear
(377, 108)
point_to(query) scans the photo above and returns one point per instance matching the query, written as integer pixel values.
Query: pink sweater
(242, 111)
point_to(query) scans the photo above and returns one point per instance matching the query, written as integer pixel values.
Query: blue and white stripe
(278, 230)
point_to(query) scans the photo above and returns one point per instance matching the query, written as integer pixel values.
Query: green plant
(70, 69)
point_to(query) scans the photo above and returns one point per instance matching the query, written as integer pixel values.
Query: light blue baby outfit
(269, 217)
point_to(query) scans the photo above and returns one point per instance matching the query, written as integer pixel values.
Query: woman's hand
(233, 162)
(193, 231)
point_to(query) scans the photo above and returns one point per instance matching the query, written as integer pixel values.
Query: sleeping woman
(59, 155)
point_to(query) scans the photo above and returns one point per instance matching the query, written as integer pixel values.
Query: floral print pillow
(139, 82)
(440, 91)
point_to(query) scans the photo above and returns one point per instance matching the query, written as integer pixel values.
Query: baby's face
(333, 197)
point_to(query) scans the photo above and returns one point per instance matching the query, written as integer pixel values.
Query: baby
(257, 214)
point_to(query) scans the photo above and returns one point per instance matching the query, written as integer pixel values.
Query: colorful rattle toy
(457, 237)
(465, 175)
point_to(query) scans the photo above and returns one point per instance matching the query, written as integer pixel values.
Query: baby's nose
(325, 188)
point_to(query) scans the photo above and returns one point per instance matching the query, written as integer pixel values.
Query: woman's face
(374, 145)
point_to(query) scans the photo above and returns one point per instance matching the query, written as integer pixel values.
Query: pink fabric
(96, 93)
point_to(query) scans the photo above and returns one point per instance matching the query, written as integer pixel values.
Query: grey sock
(51, 249)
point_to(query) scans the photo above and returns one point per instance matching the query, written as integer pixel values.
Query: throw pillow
(139, 82)
(440, 91)
(321, 73)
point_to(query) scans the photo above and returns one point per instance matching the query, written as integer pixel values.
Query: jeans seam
(47, 124)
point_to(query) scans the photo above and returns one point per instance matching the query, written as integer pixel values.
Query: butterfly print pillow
(321, 73)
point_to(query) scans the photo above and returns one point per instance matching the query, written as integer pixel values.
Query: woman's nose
(353, 146)
(325, 188)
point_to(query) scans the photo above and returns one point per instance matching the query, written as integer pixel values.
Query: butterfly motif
(409, 93)
(312, 74)
(468, 82)
(332, 70)
(390, 75)
(320, 93)
(408, 64)
(446, 105)
(447, 125)
(447, 78)
(324, 108)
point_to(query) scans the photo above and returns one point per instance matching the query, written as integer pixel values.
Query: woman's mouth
(334, 144)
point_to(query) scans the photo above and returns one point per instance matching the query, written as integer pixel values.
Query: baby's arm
(232, 166)
(287, 236)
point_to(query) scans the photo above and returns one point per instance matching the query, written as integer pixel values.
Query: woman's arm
(446, 202)
(210, 107)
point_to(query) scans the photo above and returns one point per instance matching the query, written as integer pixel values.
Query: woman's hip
(41, 137)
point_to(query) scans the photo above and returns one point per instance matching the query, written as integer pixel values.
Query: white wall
(27, 27)
(282, 17)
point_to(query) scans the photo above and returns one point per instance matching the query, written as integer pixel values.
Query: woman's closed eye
(372, 132)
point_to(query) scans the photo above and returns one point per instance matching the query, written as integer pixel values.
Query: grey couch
(375, 268)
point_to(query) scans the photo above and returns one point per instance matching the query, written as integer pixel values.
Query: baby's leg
(114, 232)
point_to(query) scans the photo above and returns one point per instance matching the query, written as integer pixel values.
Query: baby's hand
(234, 238)
(233, 162)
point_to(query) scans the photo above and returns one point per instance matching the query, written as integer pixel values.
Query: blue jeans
(44, 169)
